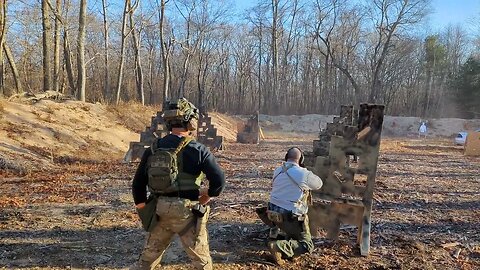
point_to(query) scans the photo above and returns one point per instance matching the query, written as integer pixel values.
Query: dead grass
(46, 117)
(419, 146)
(2, 110)
(48, 109)
(8, 165)
(17, 130)
(85, 108)
(132, 115)
(282, 135)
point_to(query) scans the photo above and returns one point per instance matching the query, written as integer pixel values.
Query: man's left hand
(140, 205)
(203, 198)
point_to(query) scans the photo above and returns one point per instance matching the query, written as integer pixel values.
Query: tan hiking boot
(276, 253)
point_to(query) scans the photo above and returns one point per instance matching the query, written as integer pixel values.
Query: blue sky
(454, 11)
(445, 12)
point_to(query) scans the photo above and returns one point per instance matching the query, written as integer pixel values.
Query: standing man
(288, 207)
(422, 130)
(172, 170)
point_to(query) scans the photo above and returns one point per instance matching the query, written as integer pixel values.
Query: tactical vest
(165, 170)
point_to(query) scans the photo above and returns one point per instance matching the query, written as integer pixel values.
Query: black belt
(183, 194)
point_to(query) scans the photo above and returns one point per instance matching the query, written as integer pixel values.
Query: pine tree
(466, 88)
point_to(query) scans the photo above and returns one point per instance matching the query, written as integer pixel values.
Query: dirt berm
(39, 135)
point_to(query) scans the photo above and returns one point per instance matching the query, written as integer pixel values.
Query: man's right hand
(140, 205)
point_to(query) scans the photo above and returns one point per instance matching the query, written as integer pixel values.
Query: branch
(134, 7)
(91, 59)
(58, 16)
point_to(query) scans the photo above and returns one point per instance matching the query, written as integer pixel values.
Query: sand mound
(39, 135)
(46, 132)
(226, 125)
(395, 126)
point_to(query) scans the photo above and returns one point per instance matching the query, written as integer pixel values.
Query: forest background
(277, 57)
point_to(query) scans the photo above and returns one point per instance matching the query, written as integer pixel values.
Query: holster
(275, 217)
(199, 211)
(262, 214)
(148, 214)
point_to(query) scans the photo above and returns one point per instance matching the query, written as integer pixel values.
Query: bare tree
(56, 54)
(4, 48)
(13, 66)
(124, 36)
(166, 47)
(151, 43)
(333, 52)
(389, 16)
(274, 88)
(339, 34)
(136, 49)
(288, 72)
(188, 48)
(67, 56)
(3, 32)
(46, 37)
(81, 77)
(62, 20)
(106, 87)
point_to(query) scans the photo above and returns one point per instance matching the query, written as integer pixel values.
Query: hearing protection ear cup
(302, 159)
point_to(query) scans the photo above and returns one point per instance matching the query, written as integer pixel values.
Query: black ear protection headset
(302, 158)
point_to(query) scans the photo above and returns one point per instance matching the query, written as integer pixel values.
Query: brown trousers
(176, 217)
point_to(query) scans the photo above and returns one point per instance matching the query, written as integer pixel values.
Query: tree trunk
(81, 79)
(165, 54)
(3, 20)
(16, 75)
(56, 54)
(106, 86)
(201, 90)
(202, 73)
(151, 58)
(122, 51)
(68, 62)
(260, 54)
(181, 91)
(189, 52)
(275, 55)
(46, 40)
(138, 59)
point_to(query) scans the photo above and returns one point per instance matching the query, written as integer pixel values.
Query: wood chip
(456, 254)
(214, 215)
(348, 227)
(263, 262)
(449, 245)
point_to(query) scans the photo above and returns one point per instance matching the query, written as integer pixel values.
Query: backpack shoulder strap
(185, 140)
(182, 144)
(154, 146)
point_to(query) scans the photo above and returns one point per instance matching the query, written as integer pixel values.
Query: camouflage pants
(176, 217)
(299, 239)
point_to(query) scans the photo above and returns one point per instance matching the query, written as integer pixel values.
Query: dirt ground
(80, 214)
